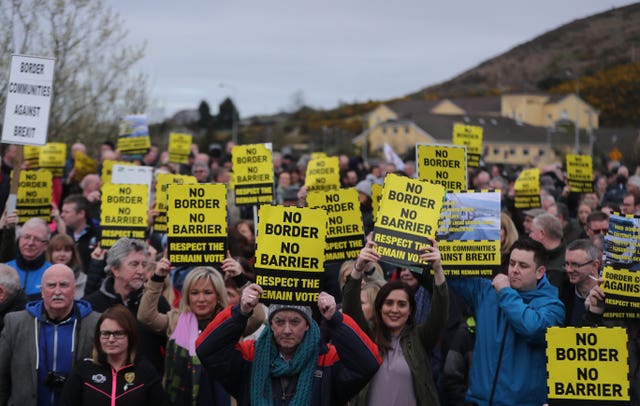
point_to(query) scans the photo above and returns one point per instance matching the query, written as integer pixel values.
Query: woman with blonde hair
(203, 297)
(508, 236)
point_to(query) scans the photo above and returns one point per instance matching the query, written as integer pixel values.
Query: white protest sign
(29, 95)
(132, 175)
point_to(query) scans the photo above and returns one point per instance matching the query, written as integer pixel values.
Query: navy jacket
(343, 367)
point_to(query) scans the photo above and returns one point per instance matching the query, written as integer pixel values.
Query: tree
(227, 113)
(94, 82)
(204, 112)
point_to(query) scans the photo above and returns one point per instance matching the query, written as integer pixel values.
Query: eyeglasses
(575, 265)
(599, 230)
(118, 334)
(33, 238)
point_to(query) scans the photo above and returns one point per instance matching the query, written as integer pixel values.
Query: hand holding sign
(595, 301)
(431, 254)
(327, 305)
(249, 299)
(231, 267)
(162, 268)
(367, 254)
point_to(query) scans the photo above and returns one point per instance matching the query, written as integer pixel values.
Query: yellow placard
(197, 223)
(179, 147)
(408, 214)
(323, 174)
(134, 145)
(124, 212)
(622, 292)
(587, 363)
(345, 235)
(444, 165)
(527, 188)
(162, 182)
(471, 137)
(33, 198)
(290, 253)
(376, 196)
(31, 155)
(83, 165)
(107, 169)
(580, 173)
(133, 137)
(252, 174)
(52, 157)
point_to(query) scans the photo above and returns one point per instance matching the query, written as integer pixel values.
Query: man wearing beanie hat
(288, 364)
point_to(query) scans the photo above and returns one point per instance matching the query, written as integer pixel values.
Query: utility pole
(570, 74)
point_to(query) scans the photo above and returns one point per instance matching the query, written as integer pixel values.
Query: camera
(55, 380)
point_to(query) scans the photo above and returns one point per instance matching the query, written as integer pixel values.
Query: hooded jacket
(30, 273)
(509, 361)
(32, 343)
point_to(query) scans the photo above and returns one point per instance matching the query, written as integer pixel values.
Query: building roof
(479, 105)
(408, 108)
(495, 129)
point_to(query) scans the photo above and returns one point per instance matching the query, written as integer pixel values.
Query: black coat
(151, 346)
(91, 384)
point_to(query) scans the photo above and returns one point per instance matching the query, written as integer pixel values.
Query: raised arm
(436, 321)
(148, 313)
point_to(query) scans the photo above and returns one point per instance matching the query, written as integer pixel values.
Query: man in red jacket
(289, 363)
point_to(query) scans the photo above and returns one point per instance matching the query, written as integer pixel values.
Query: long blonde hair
(216, 279)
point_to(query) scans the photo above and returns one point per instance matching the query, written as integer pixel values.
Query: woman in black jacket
(112, 377)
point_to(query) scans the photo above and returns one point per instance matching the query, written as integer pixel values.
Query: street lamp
(570, 74)
(234, 119)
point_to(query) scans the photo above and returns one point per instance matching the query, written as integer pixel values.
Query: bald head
(58, 289)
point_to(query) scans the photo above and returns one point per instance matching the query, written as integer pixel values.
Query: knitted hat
(305, 311)
(534, 212)
(364, 186)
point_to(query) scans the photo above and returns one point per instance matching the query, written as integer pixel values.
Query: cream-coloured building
(514, 127)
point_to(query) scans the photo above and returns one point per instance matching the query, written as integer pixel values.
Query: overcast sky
(261, 52)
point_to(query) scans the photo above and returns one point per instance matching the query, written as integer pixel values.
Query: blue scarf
(268, 364)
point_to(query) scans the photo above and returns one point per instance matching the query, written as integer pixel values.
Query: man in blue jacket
(40, 345)
(513, 313)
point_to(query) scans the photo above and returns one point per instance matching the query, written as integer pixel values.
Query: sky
(266, 55)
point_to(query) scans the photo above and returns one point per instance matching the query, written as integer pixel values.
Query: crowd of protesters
(378, 335)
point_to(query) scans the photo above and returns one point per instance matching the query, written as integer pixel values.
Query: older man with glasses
(581, 265)
(29, 259)
(40, 345)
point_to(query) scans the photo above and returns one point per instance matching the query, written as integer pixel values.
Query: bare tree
(94, 82)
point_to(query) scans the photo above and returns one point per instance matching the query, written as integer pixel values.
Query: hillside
(583, 46)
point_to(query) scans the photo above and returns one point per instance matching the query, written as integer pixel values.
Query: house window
(540, 152)
(513, 151)
(384, 130)
(525, 151)
(496, 151)
(395, 129)
(406, 129)
(485, 151)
